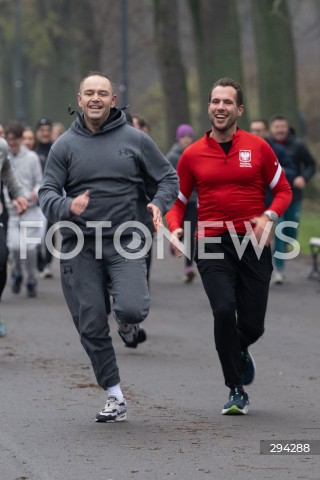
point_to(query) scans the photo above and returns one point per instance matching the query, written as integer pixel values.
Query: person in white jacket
(8, 178)
(26, 165)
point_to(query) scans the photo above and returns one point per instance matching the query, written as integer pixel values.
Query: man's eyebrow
(102, 90)
(223, 99)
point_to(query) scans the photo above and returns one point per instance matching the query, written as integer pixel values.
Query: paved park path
(173, 385)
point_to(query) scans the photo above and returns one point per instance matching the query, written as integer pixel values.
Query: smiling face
(43, 134)
(224, 112)
(96, 99)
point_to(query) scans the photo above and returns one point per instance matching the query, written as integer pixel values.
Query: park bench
(315, 252)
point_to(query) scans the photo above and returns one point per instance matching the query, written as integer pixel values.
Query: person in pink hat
(185, 137)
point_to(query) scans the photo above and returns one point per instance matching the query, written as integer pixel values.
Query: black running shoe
(237, 404)
(16, 283)
(135, 336)
(249, 367)
(32, 290)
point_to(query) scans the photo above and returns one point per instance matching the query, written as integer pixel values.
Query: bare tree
(172, 71)
(217, 41)
(275, 59)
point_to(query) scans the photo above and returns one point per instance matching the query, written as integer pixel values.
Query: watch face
(272, 215)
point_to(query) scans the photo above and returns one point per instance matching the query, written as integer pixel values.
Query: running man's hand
(260, 225)
(156, 214)
(175, 235)
(20, 204)
(80, 203)
(34, 196)
(299, 182)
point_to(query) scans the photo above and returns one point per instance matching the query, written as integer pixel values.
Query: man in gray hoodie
(102, 163)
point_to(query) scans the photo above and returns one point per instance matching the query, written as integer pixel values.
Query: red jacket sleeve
(176, 214)
(277, 181)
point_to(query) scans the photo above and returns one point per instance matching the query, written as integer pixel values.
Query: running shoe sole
(140, 338)
(111, 419)
(234, 410)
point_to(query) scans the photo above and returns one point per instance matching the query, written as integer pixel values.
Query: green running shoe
(238, 402)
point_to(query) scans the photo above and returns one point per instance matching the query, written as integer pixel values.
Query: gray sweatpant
(84, 282)
(26, 267)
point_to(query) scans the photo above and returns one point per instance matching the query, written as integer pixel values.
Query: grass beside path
(309, 225)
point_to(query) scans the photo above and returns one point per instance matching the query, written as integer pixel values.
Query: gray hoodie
(113, 163)
(7, 175)
(173, 156)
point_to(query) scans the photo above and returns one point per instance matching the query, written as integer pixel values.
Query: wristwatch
(272, 215)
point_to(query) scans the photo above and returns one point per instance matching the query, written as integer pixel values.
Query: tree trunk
(172, 71)
(217, 42)
(276, 60)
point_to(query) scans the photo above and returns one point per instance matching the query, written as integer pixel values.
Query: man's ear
(113, 101)
(79, 100)
(240, 110)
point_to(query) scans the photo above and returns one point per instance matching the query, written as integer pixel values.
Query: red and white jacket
(230, 187)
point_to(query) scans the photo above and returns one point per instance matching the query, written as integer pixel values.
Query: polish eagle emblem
(245, 158)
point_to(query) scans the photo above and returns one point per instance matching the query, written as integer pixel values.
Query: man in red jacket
(231, 170)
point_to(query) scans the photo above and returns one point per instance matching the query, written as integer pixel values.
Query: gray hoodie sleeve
(7, 174)
(55, 206)
(161, 172)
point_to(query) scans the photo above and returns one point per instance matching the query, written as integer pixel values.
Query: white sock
(115, 391)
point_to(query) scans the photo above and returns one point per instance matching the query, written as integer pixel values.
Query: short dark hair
(278, 116)
(229, 82)
(142, 122)
(94, 73)
(15, 128)
(261, 120)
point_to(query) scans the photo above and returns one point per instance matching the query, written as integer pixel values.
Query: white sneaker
(278, 278)
(114, 411)
(46, 273)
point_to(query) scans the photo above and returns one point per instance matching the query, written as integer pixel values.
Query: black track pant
(191, 215)
(238, 293)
